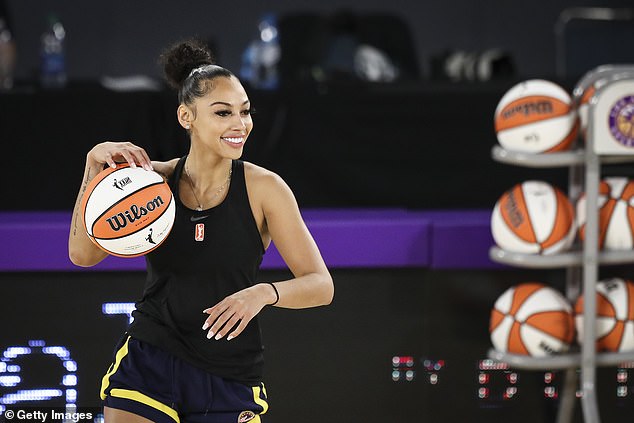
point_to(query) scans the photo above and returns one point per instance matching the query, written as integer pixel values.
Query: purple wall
(37, 241)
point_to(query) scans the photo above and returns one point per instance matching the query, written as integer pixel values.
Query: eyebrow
(224, 103)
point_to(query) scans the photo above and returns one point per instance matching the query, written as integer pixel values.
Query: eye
(223, 113)
(248, 111)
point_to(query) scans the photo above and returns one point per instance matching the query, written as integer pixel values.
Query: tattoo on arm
(83, 191)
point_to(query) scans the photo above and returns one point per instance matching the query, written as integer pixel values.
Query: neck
(207, 173)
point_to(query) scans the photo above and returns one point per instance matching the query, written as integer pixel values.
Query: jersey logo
(199, 233)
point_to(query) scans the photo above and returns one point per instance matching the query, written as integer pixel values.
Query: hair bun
(181, 58)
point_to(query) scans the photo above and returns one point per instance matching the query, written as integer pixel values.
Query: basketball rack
(613, 84)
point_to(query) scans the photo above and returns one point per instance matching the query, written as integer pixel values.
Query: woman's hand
(111, 153)
(237, 309)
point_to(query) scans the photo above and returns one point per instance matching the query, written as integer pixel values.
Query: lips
(233, 141)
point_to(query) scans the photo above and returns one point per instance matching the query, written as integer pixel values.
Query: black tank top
(207, 256)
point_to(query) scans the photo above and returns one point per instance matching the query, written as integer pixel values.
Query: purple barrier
(37, 241)
(460, 239)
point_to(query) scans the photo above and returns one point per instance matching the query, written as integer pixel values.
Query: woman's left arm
(312, 284)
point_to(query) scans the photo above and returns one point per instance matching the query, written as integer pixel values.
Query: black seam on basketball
(92, 227)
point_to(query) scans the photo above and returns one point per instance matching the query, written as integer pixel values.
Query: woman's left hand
(237, 309)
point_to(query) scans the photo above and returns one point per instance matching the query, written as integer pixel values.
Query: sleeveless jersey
(207, 256)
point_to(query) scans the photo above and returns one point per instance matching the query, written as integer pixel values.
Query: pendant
(199, 232)
(199, 208)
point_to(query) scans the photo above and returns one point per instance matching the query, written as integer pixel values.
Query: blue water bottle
(52, 55)
(261, 58)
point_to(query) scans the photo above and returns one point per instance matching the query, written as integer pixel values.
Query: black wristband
(277, 294)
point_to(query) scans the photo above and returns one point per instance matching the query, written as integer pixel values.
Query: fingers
(226, 321)
(113, 152)
(135, 155)
(219, 327)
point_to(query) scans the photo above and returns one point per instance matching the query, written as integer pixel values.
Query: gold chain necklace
(218, 191)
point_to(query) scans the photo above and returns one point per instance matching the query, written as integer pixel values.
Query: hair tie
(277, 294)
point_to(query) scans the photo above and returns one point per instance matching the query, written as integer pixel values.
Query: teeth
(233, 140)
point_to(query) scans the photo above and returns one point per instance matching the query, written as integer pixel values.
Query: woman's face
(222, 119)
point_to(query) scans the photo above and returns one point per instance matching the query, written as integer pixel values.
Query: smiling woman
(196, 338)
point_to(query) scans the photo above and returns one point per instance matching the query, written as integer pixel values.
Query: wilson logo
(121, 220)
(527, 109)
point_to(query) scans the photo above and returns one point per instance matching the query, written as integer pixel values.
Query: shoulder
(165, 169)
(265, 185)
(258, 174)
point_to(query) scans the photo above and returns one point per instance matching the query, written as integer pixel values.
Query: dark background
(119, 37)
(421, 143)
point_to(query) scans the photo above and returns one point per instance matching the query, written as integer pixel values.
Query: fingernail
(133, 165)
(205, 326)
(230, 337)
(210, 335)
(218, 337)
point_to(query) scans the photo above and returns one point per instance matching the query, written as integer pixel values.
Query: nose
(240, 122)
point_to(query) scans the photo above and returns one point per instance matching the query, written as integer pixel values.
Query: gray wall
(118, 37)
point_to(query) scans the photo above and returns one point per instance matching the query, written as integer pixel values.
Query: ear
(185, 116)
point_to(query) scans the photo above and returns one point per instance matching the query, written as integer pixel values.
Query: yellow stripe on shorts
(123, 351)
(144, 399)
(257, 391)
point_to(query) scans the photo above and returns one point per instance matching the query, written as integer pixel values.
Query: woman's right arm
(81, 250)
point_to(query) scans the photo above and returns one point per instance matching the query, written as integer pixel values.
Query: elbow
(81, 258)
(329, 290)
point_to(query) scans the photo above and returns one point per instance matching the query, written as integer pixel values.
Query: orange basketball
(533, 217)
(532, 319)
(616, 214)
(615, 315)
(536, 116)
(128, 211)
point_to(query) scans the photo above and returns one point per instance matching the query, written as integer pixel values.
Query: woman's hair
(190, 68)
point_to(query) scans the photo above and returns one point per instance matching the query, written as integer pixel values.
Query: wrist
(273, 294)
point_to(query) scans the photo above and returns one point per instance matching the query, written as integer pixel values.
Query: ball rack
(582, 262)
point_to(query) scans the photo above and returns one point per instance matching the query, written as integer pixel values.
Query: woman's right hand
(111, 153)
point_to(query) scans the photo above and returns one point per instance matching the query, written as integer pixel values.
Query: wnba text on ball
(121, 219)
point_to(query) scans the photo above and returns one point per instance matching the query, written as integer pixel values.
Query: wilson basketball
(616, 214)
(532, 319)
(536, 116)
(582, 108)
(533, 217)
(127, 211)
(615, 315)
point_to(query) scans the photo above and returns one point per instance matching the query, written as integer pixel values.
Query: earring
(187, 126)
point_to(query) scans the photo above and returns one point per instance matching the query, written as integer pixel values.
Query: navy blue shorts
(152, 383)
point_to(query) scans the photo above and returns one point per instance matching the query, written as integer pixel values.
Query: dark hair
(190, 68)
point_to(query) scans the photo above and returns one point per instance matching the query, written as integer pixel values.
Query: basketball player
(193, 352)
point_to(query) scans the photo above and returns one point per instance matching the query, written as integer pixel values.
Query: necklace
(218, 191)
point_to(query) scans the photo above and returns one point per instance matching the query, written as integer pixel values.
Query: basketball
(532, 319)
(127, 211)
(536, 116)
(533, 217)
(616, 214)
(615, 315)
(582, 109)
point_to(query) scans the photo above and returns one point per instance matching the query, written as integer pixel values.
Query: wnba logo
(120, 184)
(121, 219)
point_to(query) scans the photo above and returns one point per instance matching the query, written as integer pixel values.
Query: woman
(194, 351)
